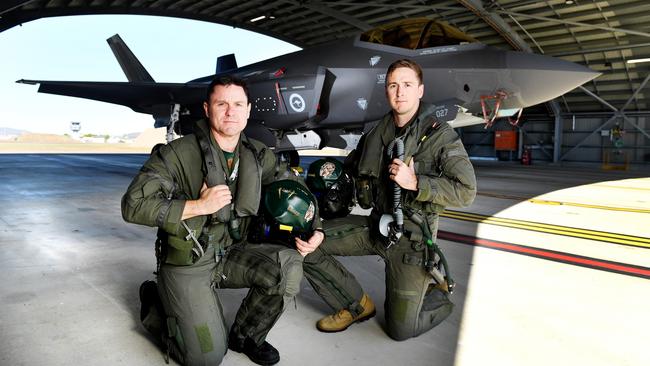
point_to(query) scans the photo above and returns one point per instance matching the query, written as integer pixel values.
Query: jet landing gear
(491, 114)
(167, 115)
(174, 117)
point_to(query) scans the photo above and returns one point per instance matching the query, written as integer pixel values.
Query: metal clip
(394, 234)
(197, 249)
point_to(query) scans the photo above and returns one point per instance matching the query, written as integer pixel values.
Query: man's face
(227, 110)
(403, 91)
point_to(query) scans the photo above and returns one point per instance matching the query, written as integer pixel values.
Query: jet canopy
(415, 34)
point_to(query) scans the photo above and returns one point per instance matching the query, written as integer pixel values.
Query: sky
(75, 48)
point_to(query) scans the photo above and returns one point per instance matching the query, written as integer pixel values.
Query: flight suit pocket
(344, 226)
(426, 165)
(179, 252)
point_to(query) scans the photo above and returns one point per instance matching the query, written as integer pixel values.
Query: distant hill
(45, 138)
(150, 137)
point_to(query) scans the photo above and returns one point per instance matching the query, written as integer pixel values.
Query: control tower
(75, 127)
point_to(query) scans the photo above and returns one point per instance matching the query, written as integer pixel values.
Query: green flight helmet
(291, 205)
(332, 186)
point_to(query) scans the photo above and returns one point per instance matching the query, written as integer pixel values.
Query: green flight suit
(445, 177)
(186, 282)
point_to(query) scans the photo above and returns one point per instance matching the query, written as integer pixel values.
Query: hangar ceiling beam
(412, 8)
(326, 10)
(10, 5)
(393, 6)
(497, 23)
(579, 24)
(598, 50)
(28, 15)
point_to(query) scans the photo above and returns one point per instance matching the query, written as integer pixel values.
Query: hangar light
(638, 60)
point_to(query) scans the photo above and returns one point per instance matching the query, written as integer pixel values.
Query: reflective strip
(234, 173)
(286, 227)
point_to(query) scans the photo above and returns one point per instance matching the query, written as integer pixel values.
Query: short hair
(225, 80)
(410, 64)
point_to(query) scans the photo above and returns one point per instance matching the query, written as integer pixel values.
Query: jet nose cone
(539, 78)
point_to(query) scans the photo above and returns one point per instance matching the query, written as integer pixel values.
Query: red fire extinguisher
(525, 157)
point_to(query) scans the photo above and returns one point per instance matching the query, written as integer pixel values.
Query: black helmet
(332, 186)
(288, 211)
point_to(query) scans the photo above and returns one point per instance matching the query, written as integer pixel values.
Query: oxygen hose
(396, 150)
(433, 251)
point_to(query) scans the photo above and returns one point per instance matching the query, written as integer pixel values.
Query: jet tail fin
(226, 63)
(130, 64)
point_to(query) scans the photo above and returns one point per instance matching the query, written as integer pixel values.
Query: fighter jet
(328, 94)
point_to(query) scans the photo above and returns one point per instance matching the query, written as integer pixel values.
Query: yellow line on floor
(623, 187)
(563, 203)
(631, 240)
(610, 208)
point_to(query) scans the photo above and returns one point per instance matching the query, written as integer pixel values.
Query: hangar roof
(603, 35)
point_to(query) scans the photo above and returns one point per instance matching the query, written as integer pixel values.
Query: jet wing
(139, 96)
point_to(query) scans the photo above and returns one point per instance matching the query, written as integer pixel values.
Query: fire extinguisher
(525, 157)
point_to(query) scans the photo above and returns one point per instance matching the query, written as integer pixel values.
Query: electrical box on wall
(505, 140)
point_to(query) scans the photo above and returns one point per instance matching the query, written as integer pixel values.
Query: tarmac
(552, 266)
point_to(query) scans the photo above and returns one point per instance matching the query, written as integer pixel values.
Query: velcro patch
(204, 337)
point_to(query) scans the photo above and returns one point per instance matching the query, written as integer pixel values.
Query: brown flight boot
(343, 319)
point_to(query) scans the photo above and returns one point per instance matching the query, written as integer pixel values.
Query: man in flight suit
(436, 172)
(201, 191)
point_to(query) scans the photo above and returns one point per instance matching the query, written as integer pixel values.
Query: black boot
(149, 298)
(264, 354)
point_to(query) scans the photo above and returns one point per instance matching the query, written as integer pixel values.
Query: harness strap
(214, 174)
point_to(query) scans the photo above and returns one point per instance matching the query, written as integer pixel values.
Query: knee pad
(436, 307)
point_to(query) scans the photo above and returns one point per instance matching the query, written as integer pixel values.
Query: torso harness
(434, 260)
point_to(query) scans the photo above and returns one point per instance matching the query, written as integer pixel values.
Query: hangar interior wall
(584, 140)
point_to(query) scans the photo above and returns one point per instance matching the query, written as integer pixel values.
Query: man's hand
(214, 198)
(403, 174)
(210, 201)
(306, 247)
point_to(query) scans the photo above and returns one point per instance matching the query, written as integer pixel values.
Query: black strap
(214, 174)
(212, 177)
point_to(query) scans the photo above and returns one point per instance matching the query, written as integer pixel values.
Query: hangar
(583, 125)
(587, 303)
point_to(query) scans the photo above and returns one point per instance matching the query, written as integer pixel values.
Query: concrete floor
(544, 275)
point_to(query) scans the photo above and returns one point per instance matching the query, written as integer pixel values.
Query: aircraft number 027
(440, 113)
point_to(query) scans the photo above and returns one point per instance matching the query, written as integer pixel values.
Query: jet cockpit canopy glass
(416, 33)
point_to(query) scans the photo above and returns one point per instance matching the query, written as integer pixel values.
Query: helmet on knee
(290, 204)
(332, 186)
(288, 211)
